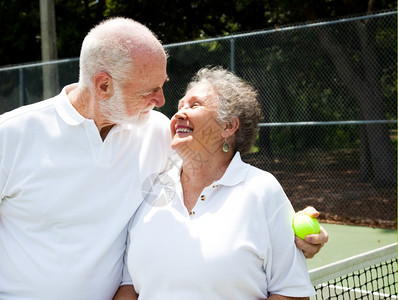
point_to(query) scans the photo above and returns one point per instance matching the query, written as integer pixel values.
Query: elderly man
(71, 167)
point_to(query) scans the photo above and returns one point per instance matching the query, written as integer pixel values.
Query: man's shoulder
(20, 114)
(158, 121)
(157, 115)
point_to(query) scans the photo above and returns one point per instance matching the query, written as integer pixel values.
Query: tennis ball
(304, 225)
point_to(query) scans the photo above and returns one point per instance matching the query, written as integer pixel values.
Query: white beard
(114, 110)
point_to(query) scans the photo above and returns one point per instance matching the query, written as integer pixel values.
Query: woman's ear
(230, 128)
(103, 85)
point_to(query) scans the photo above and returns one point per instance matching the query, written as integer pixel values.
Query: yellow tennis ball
(304, 225)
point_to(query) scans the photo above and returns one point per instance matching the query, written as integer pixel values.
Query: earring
(225, 146)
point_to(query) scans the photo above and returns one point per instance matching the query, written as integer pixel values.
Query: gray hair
(235, 98)
(111, 47)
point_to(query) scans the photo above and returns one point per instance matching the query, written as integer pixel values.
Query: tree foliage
(172, 20)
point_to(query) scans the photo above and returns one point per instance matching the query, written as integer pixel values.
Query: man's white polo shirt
(239, 244)
(66, 198)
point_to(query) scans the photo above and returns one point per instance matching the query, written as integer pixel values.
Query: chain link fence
(329, 97)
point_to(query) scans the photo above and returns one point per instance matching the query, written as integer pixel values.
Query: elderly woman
(214, 227)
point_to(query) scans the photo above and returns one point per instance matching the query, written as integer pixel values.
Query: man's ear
(103, 85)
(230, 127)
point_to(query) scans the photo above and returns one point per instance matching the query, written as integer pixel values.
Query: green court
(346, 241)
(357, 263)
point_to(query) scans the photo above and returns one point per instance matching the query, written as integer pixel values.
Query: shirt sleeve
(285, 266)
(126, 278)
(3, 179)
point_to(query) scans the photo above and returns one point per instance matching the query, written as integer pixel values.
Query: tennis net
(371, 275)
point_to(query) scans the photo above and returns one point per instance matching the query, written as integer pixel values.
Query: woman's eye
(195, 104)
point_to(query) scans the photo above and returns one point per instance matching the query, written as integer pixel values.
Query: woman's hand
(313, 242)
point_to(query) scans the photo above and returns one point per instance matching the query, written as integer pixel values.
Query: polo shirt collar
(235, 173)
(71, 116)
(65, 109)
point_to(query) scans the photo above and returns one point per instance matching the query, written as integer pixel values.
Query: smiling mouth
(183, 130)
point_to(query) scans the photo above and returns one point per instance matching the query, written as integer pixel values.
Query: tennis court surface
(357, 263)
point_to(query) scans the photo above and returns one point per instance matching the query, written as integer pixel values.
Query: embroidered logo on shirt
(158, 190)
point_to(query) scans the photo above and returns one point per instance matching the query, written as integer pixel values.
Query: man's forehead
(149, 87)
(147, 80)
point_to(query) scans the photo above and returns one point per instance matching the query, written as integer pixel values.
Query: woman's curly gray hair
(235, 98)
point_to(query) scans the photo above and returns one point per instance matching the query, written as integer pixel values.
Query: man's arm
(279, 297)
(313, 242)
(126, 292)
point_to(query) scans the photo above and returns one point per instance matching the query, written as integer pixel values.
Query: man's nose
(158, 99)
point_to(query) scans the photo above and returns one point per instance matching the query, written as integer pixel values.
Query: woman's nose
(180, 114)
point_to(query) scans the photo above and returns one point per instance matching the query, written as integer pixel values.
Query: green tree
(20, 31)
(173, 21)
